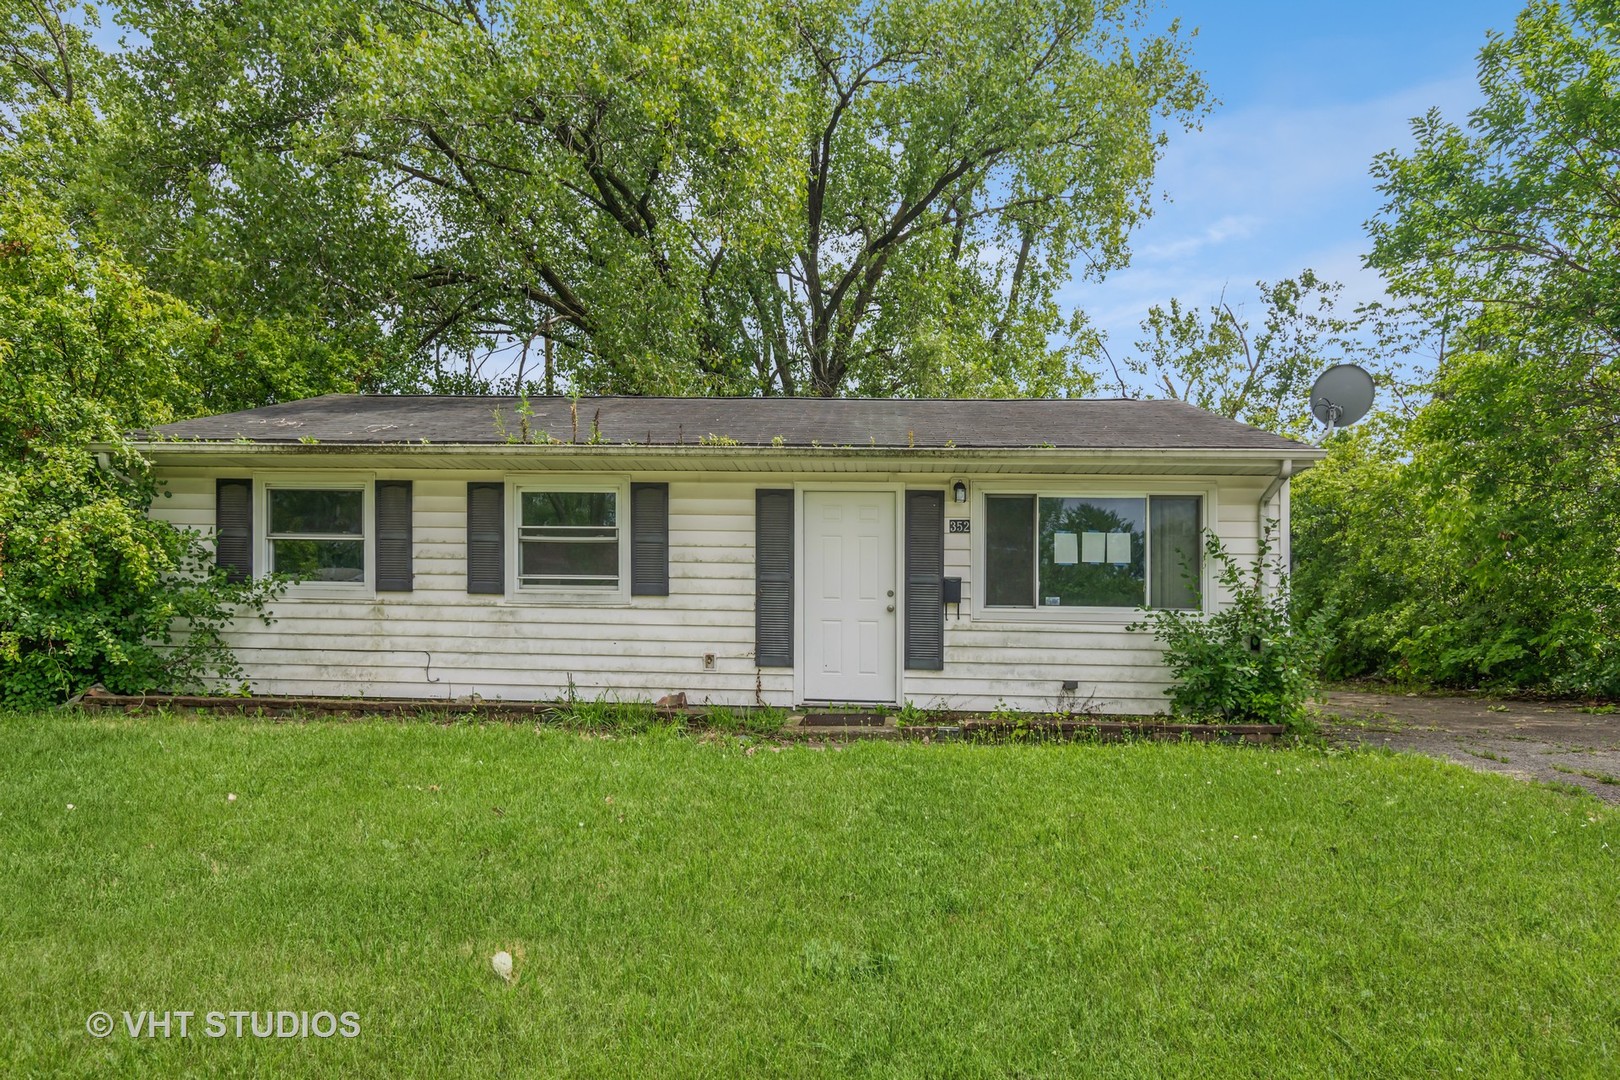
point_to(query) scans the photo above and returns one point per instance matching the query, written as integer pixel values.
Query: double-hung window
(1068, 551)
(568, 539)
(317, 533)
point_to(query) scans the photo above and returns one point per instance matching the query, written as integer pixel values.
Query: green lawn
(688, 907)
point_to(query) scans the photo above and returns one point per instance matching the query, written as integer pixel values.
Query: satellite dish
(1342, 395)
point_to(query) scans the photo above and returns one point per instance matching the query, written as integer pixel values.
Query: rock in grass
(502, 963)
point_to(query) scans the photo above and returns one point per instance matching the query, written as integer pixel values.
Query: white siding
(1024, 664)
(440, 642)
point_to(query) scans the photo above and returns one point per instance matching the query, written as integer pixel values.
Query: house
(784, 551)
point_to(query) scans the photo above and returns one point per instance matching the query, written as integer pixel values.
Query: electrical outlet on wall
(708, 661)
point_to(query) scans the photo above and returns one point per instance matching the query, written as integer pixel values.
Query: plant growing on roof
(525, 412)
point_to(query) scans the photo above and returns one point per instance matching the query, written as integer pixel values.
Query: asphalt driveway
(1556, 742)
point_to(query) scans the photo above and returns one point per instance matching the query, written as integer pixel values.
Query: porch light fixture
(959, 491)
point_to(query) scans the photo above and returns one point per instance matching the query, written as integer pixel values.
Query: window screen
(1010, 550)
(568, 538)
(318, 534)
(1092, 551)
(1177, 550)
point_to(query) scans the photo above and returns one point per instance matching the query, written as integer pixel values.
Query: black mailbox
(953, 590)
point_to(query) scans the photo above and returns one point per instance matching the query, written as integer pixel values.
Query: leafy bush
(1251, 661)
(1472, 545)
(1500, 230)
(91, 588)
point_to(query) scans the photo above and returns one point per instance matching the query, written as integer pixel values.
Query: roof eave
(1302, 454)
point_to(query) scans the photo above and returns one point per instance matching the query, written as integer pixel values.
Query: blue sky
(1277, 180)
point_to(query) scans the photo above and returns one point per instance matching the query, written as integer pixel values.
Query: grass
(1559, 786)
(1372, 721)
(718, 906)
(1590, 774)
(636, 718)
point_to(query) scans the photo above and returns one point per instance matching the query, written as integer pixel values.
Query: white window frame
(1089, 489)
(264, 551)
(586, 595)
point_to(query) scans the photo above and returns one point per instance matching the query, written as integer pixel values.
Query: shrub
(1251, 661)
(91, 588)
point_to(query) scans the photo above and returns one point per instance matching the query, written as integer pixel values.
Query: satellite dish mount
(1341, 396)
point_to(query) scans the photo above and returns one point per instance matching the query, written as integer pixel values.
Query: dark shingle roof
(1114, 424)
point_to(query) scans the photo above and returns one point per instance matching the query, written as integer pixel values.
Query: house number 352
(959, 525)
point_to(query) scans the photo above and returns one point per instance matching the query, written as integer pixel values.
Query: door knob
(891, 607)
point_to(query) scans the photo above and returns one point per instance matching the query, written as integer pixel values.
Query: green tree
(253, 255)
(714, 197)
(1361, 548)
(91, 588)
(960, 158)
(51, 75)
(1257, 370)
(1504, 230)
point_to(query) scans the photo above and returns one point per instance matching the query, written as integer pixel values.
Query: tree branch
(1017, 281)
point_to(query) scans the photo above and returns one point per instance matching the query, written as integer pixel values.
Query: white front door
(849, 596)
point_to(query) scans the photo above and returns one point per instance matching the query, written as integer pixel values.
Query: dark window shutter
(233, 528)
(773, 578)
(486, 538)
(925, 580)
(649, 539)
(393, 511)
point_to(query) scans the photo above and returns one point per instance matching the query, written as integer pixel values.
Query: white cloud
(1232, 226)
(1281, 158)
(1262, 193)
